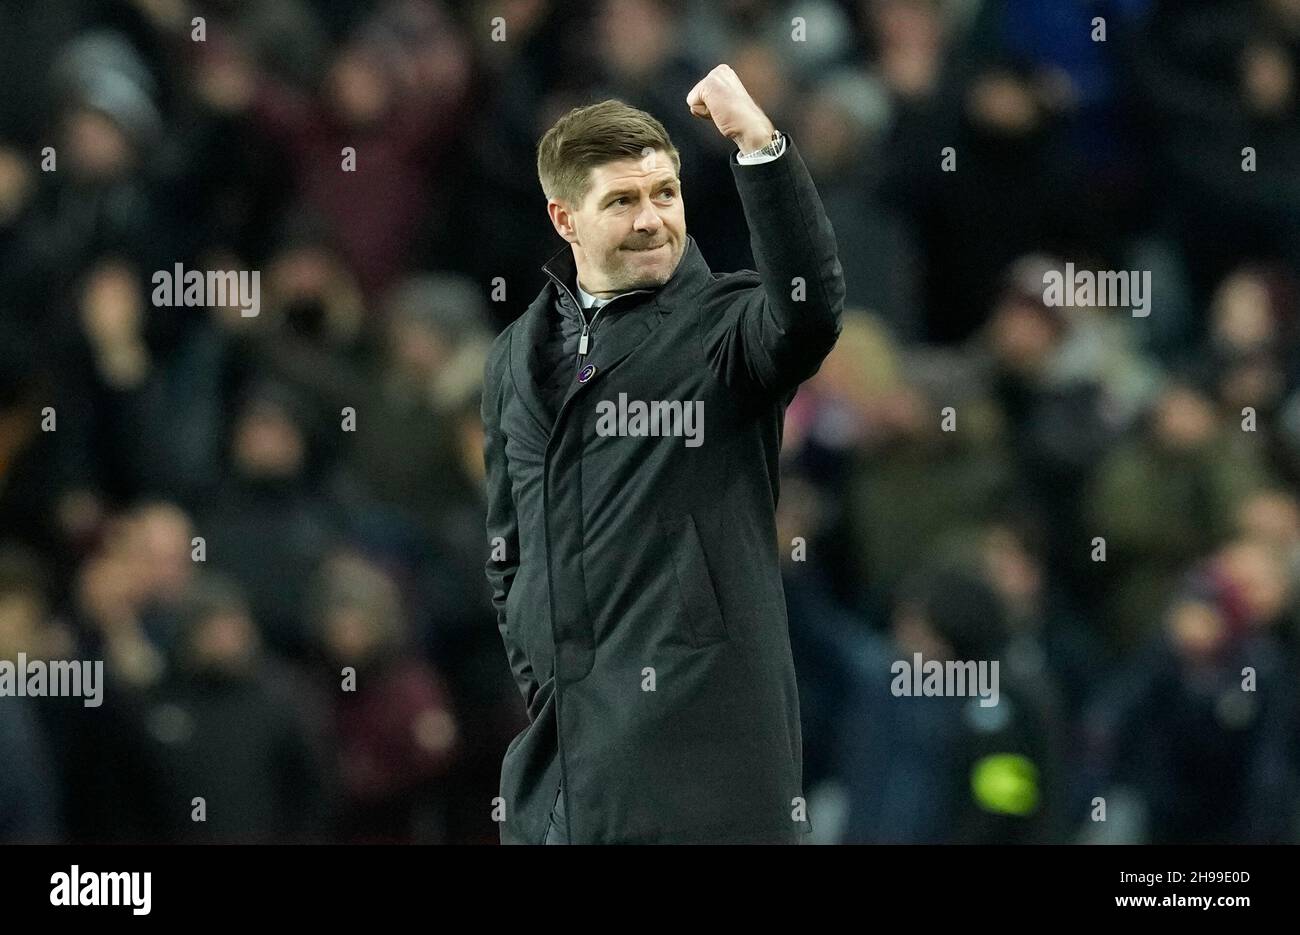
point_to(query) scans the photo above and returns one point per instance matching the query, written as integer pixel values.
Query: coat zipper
(586, 326)
(587, 336)
(584, 348)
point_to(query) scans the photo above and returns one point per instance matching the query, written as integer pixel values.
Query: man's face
(630, 232)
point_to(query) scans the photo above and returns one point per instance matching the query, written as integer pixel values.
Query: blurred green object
(1005, 784)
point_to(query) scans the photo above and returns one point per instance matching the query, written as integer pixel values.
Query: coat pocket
(694, 584)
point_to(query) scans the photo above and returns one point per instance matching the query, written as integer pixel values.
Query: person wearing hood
(266, 526)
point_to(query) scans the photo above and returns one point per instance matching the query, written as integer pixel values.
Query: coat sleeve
(502, 523)
(775, 329)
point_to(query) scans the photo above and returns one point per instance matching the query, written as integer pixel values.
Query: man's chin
(645, 272)
(643, 279)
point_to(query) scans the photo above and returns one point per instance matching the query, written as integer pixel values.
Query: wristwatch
(773, 148)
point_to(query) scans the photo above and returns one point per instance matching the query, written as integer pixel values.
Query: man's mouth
(645, 249)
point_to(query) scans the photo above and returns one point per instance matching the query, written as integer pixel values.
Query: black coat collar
(692, 273)
(635, 316)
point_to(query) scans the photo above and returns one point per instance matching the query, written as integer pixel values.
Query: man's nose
(647, 218)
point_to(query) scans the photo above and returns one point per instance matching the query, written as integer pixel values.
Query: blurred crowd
(239, 515)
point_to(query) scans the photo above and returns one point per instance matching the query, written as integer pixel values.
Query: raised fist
(719, 95)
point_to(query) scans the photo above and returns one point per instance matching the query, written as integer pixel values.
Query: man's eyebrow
(628, 189)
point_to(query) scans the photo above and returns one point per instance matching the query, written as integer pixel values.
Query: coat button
(586, 373)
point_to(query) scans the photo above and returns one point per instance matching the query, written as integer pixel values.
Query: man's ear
(561, 220)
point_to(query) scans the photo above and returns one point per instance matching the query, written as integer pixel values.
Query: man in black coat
(633, 419)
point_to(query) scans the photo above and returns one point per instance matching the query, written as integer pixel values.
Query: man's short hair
(590, 136)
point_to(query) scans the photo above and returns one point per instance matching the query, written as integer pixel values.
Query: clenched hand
(720, 95)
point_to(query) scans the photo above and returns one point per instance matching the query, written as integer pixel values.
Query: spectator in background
(1271, 518)
(1049, 638)
(990, 145)
(451, 609)
(103, 198)
(834, 415)
(1049, 642)
(162, 539)
(1163, 499)
(910, 42)
(824, 30)
(1211, 79)
(133, 370)
(1248, 359)
(313, 336)
(267, 526)
(112, 589)
(30, 786)
(491, 171)
(944, 769)
(393, 94)
(917, 476)
(845, 125)
(435, 341)
(412, 478)
(1198, 730)
(107, 617)
(831, 645)
(227, 728)
(1051, 651)
(394, 733)
(1069, 383)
